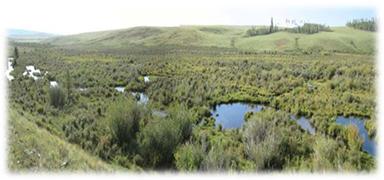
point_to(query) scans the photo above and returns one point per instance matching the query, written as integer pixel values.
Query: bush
(159, 139)
(259, 31)
(370, 126)
(124, 118)
(189, 157)
(40, 110)
(354, 140)
(325, 154)
(261, 142)
(267, 139)
(219, 158)
(57, 97)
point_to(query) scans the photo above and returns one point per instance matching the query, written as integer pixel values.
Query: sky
(71, 16)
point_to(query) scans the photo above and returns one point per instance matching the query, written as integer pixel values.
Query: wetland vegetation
(194, 98)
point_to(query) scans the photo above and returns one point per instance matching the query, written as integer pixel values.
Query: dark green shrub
(57, 97)
(159, 139)
(123, 118)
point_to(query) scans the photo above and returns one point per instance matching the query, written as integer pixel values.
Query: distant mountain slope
(25, 35)
(341, 39)
(35, 149)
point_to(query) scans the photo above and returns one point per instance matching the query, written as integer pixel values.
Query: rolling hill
(341, 39)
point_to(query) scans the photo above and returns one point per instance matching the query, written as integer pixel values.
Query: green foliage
(260, 31)
(262, 141)
(219, 158)
(57, 97)
(353, 138)
(199, 67)
(309, 28)
(68, 85)
(159, 139)
(15, 56)
(188, 157)
(33, 149)
(325, 154)
(329, 156)
(124, 117)
(270, 143)
(370, 126)
(363, 24)
(83, 131)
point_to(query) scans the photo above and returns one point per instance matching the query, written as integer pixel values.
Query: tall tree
(68, 85)
(15, 56)
(363, 24)
(271, 27)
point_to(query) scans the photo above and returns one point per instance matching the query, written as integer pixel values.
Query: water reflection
(232, 115)
(304, 123)
(368, 144)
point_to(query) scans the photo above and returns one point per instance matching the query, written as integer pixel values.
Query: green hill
(34, 149)
(341, 39)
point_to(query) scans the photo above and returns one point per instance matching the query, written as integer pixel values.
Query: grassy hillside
(341, 39)
(35, 149)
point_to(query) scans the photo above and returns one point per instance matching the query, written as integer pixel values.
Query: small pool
(159, 113)
(120, 88)
(10, 69)
(143, 99)
(369, 145)
(146, 79)
(304, 123)
(53, 84)
(232, 115)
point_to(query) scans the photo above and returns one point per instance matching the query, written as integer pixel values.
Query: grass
(341, 39)
(34, 149)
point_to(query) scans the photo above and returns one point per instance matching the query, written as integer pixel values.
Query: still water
(232, 115)
(368, 145)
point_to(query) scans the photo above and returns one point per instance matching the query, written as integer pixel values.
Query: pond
(82, 89)
(232, 115)
(146, 79)
(304, 123)
(53, 84)
(10, 69)
(159, 113)
(141, 98)
(120, 88)
(369, 145)
(32, 72)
